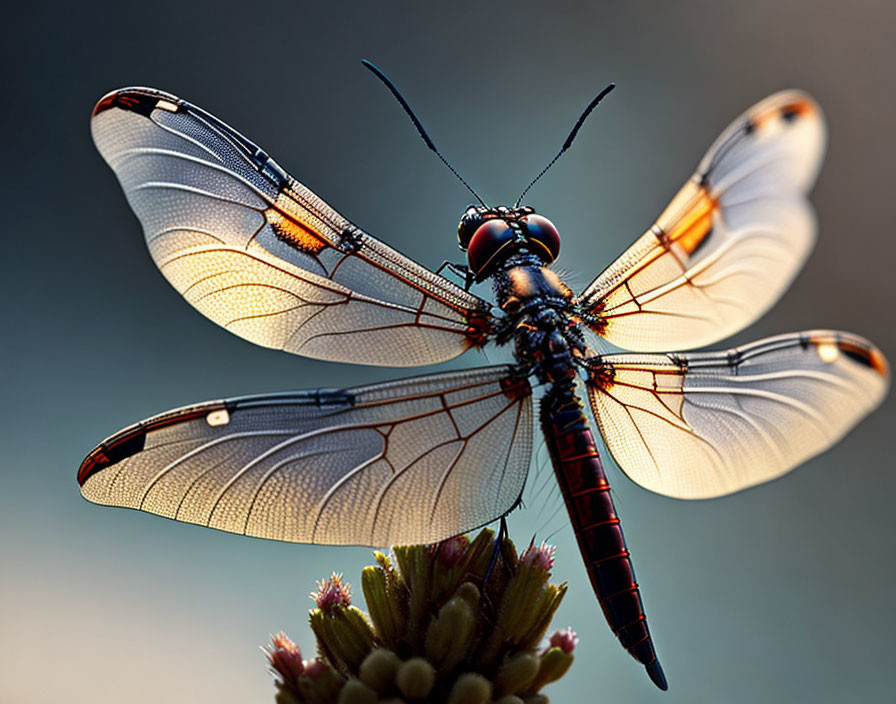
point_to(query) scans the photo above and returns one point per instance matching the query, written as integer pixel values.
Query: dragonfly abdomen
(586, 493)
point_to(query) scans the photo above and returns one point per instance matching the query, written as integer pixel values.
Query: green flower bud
(470, 593)
(509, 699)
(470, 688)
(379, 668)
(516, 674)
(519, 606)
(386, 612)
(542, 613)
(283, 696)
(536, 699)
(344, 636)
(479, 553)
(356, 692)
(525, 608)
(415, 678)
(554, 664)
(414, 563)
(449, 634)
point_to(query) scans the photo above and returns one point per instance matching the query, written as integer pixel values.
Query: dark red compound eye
(468, 225)
(490, 237)
(541, 232)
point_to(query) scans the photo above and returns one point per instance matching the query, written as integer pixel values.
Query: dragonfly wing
(707, 424)
(728, 245)
(410, 461)
(261, 255)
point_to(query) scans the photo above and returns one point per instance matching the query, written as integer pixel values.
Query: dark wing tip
(132, 440)
(657, 676)
(866, 354)
(134, 99)
(120, 446)
(858, 349)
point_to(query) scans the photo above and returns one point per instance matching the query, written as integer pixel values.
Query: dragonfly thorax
(550, 345)
(547, 340)
(490, 235)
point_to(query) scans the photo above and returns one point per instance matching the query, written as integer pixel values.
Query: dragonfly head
(484, 233)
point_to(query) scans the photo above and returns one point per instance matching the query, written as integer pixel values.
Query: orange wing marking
(294, 232)
(829, 349)
(687, 221)
(788, 112)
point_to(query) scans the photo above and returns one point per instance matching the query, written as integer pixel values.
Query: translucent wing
(411, 461)
(261, 255)
(702, 425)
(728, 245)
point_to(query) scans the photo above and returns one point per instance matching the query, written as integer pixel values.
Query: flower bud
(321, 682)
(566, 640)
(541, 557)
(356, 692)
(526, 606)
(286, 661)
(314, 668)
(344, 636)
(536, 699)
(470, 688)
(415, 678)
(450, 552)
(469, 593)
(285, 697)
(379, 668)
(554, 664)
(449, 634)
(332, 593)
(447, 558)
(414, 565)
(542, 613)
(386, 611)
(516, 674)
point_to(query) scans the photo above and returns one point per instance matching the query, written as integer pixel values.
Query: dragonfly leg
(500, 546)
(462, 271)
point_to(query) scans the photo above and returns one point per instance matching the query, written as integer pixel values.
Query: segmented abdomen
(586, 492)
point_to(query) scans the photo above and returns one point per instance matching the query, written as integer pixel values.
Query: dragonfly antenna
(407, 108)
(572, 135)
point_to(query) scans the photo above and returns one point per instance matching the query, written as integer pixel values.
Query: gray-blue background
(779, 594)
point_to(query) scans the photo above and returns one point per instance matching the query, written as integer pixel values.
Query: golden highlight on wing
(261, 255)
(411, 461)
(703, 425)
(727, 246)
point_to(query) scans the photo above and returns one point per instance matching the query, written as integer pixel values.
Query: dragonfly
(423, 459)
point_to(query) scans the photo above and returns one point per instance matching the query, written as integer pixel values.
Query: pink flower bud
(541, 557)
(314, 668)
(450, 552)
(331, 593)
(566, 640)
(286, 660)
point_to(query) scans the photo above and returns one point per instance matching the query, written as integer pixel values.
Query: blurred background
(781, 593)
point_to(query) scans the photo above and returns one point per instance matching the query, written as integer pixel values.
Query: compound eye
(541, 232)
(471, 220)
(490, 237)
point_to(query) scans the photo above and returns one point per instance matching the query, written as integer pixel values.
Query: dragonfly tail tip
(655, 670)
